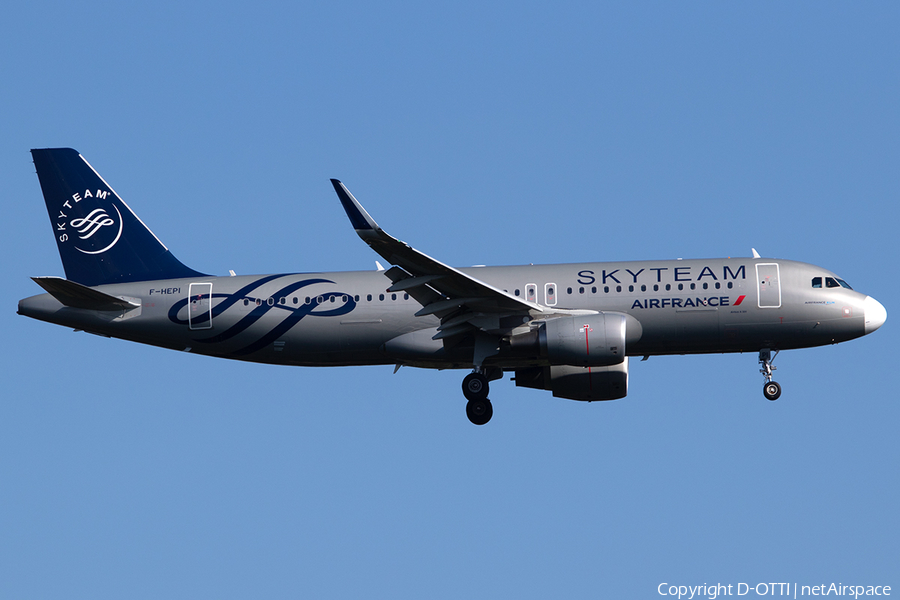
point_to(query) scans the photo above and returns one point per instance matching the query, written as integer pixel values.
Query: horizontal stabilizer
(76, 295)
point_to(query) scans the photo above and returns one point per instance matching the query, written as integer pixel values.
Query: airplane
(567, 328)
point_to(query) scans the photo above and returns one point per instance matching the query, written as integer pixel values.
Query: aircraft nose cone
(876, 315)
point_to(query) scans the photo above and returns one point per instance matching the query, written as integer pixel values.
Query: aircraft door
(769, 285)
(550, 294)
(200, 306)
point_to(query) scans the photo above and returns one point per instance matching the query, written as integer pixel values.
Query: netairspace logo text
(792, 590)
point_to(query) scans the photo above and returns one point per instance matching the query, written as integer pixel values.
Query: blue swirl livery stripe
(257, 313)
(297, 314)
(230, 300)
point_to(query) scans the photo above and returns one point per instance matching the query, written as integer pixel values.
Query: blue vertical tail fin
(100, 239)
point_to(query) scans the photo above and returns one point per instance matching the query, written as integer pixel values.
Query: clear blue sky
(481, 133)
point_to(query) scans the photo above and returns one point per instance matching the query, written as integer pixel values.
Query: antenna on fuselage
(755, 253)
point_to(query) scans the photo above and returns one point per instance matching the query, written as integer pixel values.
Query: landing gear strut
(771, 389)
(475, 388)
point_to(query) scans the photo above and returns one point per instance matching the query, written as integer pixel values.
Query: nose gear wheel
(771, 389)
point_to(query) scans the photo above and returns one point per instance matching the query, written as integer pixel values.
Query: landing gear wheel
(475, 387)
(771, 390)
(479, 411)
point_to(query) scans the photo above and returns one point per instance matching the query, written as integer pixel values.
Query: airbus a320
(567, 328)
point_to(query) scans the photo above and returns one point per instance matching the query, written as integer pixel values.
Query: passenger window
(368, 297)
(816, 282)
(517, 292)
(831, 283)
(643, 288)
(381, 296)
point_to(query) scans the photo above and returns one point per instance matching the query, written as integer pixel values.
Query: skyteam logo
(94, 233)
(92, 223)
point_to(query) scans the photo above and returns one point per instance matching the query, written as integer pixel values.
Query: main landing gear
(475, 388)
(771, 389)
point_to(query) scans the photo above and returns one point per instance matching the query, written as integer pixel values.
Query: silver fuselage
(348, 318)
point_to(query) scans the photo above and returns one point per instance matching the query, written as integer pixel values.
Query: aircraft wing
(460, 300)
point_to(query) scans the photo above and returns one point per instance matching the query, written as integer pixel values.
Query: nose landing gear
(771, 389)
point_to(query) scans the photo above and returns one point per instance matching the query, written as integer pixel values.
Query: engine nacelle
(588, 341)
(578, 383)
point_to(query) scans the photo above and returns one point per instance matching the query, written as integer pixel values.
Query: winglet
(359, 218)
(445, 281)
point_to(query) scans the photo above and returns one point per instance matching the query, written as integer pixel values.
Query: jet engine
(586, 355)
(578, 383)
(594, 340)
(589, 341)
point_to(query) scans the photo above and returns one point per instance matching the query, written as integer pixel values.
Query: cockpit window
(831, 282)
(817, 282)
(844, 284)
